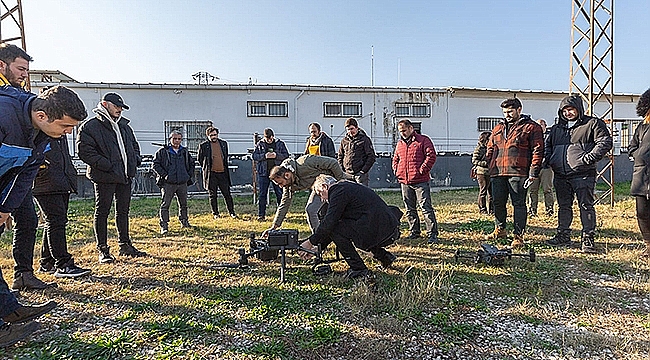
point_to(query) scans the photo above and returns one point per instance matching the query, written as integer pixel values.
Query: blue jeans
(8, 302)
(263, 183)
(419, 194)
(502, 186)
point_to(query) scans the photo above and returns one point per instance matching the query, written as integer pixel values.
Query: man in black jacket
(356, 216)
(573, 148)
(56, 179)
(318, 143)
(174, 167)
(213, 157)
(356, 154)
(106, 143)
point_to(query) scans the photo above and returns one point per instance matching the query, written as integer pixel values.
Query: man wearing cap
(106, 143)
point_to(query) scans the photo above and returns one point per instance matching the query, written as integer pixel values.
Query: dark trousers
(419, 194)
(513, 186)
(484, 193)
(263, 183)
(55, 212)
(219, 181)
(25, 224)
(582, 188)
(643, 216)
(168, 191)
(104, 194)
(346, 238)
(8, 302)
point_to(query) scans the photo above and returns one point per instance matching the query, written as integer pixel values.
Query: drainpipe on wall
(295, 114)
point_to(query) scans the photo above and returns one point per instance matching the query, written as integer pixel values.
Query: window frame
(342, 105)
(410, 106)
(492, 120)
(267, 107)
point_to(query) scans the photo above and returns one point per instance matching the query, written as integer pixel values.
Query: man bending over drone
(355, 216)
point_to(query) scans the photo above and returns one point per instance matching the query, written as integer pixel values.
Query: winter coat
(57, 175)
(21, 154)
(205, 159)
(326, 146)
(413, 160)
(517, 151)
(359, 207)
(173, 167)
(305, 170)
(573, 151)
(639, 149)
(479, 161)
(356, 153)
(259, 155)
(97, 146)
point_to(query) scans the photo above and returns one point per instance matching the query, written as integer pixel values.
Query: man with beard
(515, 152)
(108, 145)
(318, 143)
(356, 154)
(213, 157)
(573, 148)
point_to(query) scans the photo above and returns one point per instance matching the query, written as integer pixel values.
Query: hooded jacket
(57, 175)
(517, 150)
(97, 146)
(574, 150)
(21, 153)
(639, 149)
(356, 153)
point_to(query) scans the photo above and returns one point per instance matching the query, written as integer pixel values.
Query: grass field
(177, 304)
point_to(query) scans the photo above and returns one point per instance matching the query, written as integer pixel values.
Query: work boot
(27, 281)
(560, 239)
(130, 250)
(11, 334)
(105, 256)
(26, 313)
(387, 260)
(588, 244)
(496, 234)
(517, 241)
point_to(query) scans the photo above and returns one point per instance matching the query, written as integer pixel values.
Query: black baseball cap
(115, 99)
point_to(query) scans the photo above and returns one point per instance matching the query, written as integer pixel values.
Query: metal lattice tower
(592, 69)
(12, 28)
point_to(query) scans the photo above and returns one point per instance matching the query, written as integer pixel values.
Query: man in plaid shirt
(514, 154)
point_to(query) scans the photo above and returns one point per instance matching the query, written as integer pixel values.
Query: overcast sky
(507, 44)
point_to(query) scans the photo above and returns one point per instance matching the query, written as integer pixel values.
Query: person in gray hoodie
(573, 148)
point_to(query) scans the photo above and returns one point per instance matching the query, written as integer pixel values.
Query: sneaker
(413, 236)
(496, 234)
(105, 256)
(233, 215)
(164, 231)
(26, 313)
(532, 213)
(560, 239)
(549, 212)
(130, 250)
(46, 268)
(261, 218)
(356, 274)
(215, 216)
(185, 224)
(433, 239)
(27, 281)
(11, 334)
(517, 241)
(588, 244)
(388, 260)
(72, 271)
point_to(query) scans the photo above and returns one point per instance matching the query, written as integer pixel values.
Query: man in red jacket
(413, 159)
(514, 154)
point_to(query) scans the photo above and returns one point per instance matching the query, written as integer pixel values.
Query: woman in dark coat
(639, 149)
(483, 174)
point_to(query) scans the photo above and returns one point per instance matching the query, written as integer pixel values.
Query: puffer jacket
(574, 150)
(639, 149)
(413, 159)
(57, 175)
(356, 153)
(479, 161)
(97, 146)
(517, 151)
(21, 153)
(259, 155)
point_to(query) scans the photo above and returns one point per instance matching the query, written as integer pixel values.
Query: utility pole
(592, 69)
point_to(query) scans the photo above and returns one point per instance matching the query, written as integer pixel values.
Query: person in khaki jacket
(299, 174)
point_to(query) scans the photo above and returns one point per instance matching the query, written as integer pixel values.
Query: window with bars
(413, 109)
(341, 109)
(268, 108)
(628, 126)
(193, 131)
(487, 123)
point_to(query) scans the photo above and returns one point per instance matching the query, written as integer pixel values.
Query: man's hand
(309, 246)
(271, 155)
(3, 218)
